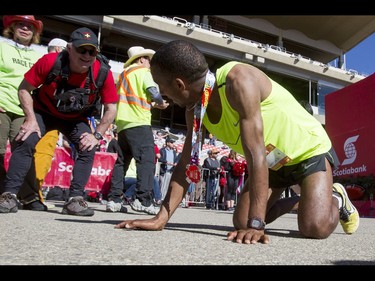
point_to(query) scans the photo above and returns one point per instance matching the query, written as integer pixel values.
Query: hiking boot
(115, 207)
(8, 203)
(76, 206)
(35, 206)
(349, 216)
(138, 207)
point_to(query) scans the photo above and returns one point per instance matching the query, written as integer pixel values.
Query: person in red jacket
(63, 105)
(233, 179)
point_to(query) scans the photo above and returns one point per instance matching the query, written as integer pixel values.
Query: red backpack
(238, 169)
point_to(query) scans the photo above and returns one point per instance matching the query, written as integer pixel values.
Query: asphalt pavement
(193, 236)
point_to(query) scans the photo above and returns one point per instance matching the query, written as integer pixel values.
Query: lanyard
(193, 170)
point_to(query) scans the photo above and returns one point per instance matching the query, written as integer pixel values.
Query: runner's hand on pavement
(145, 224)
(248, 236)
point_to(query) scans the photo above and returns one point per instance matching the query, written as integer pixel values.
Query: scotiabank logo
(351, 155)
(350, 150)
(95, 171)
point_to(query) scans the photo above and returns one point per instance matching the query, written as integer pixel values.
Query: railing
(281, 50)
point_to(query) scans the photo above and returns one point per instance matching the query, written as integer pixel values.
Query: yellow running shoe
(349, 216)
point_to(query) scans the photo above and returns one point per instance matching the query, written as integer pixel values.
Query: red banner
(350, 124)
(62, 165)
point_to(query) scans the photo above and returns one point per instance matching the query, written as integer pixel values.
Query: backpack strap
(103, 71)
(60, 67)
(100, 78)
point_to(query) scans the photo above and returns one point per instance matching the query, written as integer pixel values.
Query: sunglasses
(82, 51)
(22, 24)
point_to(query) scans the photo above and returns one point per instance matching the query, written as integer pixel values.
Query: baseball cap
(168, 139)
(84, 37)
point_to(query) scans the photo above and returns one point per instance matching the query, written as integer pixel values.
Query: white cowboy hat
(136, 52)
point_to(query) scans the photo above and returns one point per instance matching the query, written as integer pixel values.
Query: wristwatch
(98, 136)
(256, 223)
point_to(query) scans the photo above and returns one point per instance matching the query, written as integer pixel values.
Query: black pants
(137, 143)
(232, 184)
(21, 163)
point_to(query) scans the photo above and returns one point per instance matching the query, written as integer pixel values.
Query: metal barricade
(198, 195)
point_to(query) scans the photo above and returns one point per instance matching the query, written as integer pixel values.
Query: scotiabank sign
(350, 123)
(62, 166)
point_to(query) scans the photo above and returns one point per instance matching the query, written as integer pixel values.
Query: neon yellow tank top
(286, 125)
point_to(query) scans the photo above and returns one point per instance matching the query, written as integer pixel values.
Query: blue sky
(362, 57)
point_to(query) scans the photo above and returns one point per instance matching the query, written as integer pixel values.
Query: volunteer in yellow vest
(283, 145)
(17, 55)
(138, 94)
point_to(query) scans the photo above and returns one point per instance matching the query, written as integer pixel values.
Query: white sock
(338, 197)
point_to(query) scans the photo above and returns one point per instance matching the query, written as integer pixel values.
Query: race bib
(275, 157)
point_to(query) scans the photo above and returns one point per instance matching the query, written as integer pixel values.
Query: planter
(355, 192)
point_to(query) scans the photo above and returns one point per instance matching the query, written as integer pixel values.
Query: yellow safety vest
(134, 106)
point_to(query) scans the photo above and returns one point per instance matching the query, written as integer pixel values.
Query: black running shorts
(290, 175)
